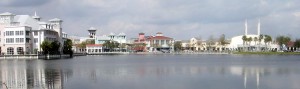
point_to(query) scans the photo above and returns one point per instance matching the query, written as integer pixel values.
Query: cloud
(23, 3)
(181, 19)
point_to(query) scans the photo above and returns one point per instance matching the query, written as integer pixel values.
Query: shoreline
(267, 53)
(49, 57)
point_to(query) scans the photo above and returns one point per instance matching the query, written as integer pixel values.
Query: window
(20, 50)
(9, 40)
(157, 41)
(17, 32)
(21, 32)
(35, 33)
(10, 50)
(162, 42)
(9, 33)
(35, 40)
(27, 40)
(19, 40)
(27, 33)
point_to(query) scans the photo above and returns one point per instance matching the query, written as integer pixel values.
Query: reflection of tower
(92, 32)
(245, 80)
(251, 72)
(257, 79)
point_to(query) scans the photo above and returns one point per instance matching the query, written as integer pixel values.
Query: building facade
(23, 34)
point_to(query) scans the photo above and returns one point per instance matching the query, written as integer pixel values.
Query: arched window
(10, 50)
(20, 50)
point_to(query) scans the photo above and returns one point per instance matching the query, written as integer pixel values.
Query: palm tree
(260, 38)
(249, 40)
(244, 38)
(255, 40)
(267, 39)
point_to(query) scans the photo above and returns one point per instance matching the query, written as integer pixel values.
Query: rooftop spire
(36, 17)
(246, 27)
(258, 27)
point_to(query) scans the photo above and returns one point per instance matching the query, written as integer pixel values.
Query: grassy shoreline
(268, 53)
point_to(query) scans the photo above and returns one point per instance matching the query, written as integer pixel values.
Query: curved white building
(238, 43)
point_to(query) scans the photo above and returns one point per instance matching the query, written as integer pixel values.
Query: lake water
(154, 72)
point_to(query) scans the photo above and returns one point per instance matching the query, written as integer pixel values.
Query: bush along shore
(268, 53)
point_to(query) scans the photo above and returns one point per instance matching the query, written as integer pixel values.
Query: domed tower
(92, 32)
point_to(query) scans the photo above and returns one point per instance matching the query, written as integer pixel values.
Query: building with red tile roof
(159, 42)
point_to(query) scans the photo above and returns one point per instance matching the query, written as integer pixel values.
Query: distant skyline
(181, 19)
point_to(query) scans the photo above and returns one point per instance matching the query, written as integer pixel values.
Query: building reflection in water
(27, 74)
(246, 74)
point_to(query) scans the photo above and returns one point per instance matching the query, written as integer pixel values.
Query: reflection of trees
(53, 79)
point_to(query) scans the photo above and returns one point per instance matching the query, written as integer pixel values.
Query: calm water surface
(154, 72)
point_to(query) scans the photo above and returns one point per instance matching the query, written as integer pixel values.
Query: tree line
(267, 39)
(53, 47)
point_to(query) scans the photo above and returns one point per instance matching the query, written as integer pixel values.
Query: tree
(67, 48)
(210, 42)
(46, 46)
(54, 47)
(267, 39)
(110, 45)
(90, 41)
(297, 43)
(283, 40)
(249, 40)
(244, 38)
(82, 45)
(255, 40)
(222, 40)
(260, 38)
(177, 46)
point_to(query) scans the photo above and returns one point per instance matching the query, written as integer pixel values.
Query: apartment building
(23, 34)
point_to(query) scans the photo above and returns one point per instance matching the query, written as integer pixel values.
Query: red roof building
(152, 43)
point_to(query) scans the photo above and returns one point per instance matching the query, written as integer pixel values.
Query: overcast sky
(180, 19)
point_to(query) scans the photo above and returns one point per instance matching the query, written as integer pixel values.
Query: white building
(237, 42)
(23, 34)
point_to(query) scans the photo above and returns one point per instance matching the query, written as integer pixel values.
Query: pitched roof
(6, 13)
(55, 19)
(122, 34)
(26, 20)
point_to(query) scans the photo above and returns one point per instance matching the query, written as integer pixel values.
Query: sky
(180, 19)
